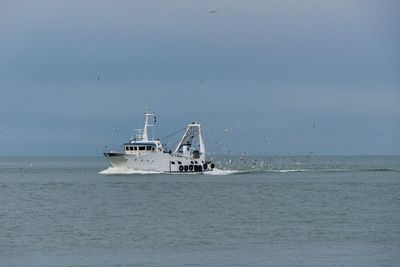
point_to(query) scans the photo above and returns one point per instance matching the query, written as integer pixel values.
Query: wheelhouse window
(135, 147)
(148, 148)
(141, 148)
(126, 148)
(131, 148)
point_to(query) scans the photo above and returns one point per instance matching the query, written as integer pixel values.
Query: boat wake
(288, 170)
(124, 171)
(216, 171)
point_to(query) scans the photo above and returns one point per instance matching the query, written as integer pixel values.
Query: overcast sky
(263, 77)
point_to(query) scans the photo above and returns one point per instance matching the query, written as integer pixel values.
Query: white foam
(114, 171)
(292, 170)
(216, 171)
(124, 171)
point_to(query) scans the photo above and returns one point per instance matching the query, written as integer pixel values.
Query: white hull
(158, 162)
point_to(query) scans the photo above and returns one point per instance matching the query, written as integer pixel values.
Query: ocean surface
(252, 211)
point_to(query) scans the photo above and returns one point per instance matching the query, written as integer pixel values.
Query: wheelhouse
(142, 147)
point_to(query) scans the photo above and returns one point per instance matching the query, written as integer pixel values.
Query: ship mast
(201, 142)
(147, 124)
(142, 134)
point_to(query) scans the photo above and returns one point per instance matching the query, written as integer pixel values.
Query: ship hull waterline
(164, 162)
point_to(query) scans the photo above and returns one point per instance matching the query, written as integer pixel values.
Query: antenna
(142, 134)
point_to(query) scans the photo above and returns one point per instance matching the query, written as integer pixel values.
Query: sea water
(253, 211)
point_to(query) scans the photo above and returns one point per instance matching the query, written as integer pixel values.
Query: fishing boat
(148, 154)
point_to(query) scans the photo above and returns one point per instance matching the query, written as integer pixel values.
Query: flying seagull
(213, 11)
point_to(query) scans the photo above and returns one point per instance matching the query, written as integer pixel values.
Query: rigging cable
(168, 136)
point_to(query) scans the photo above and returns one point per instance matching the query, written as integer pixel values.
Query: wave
(359, 170)
(335, 170)
(381, 170)
(332, 170)
(288, 170)
(258, 171)
(124, 171)
(215, 171)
